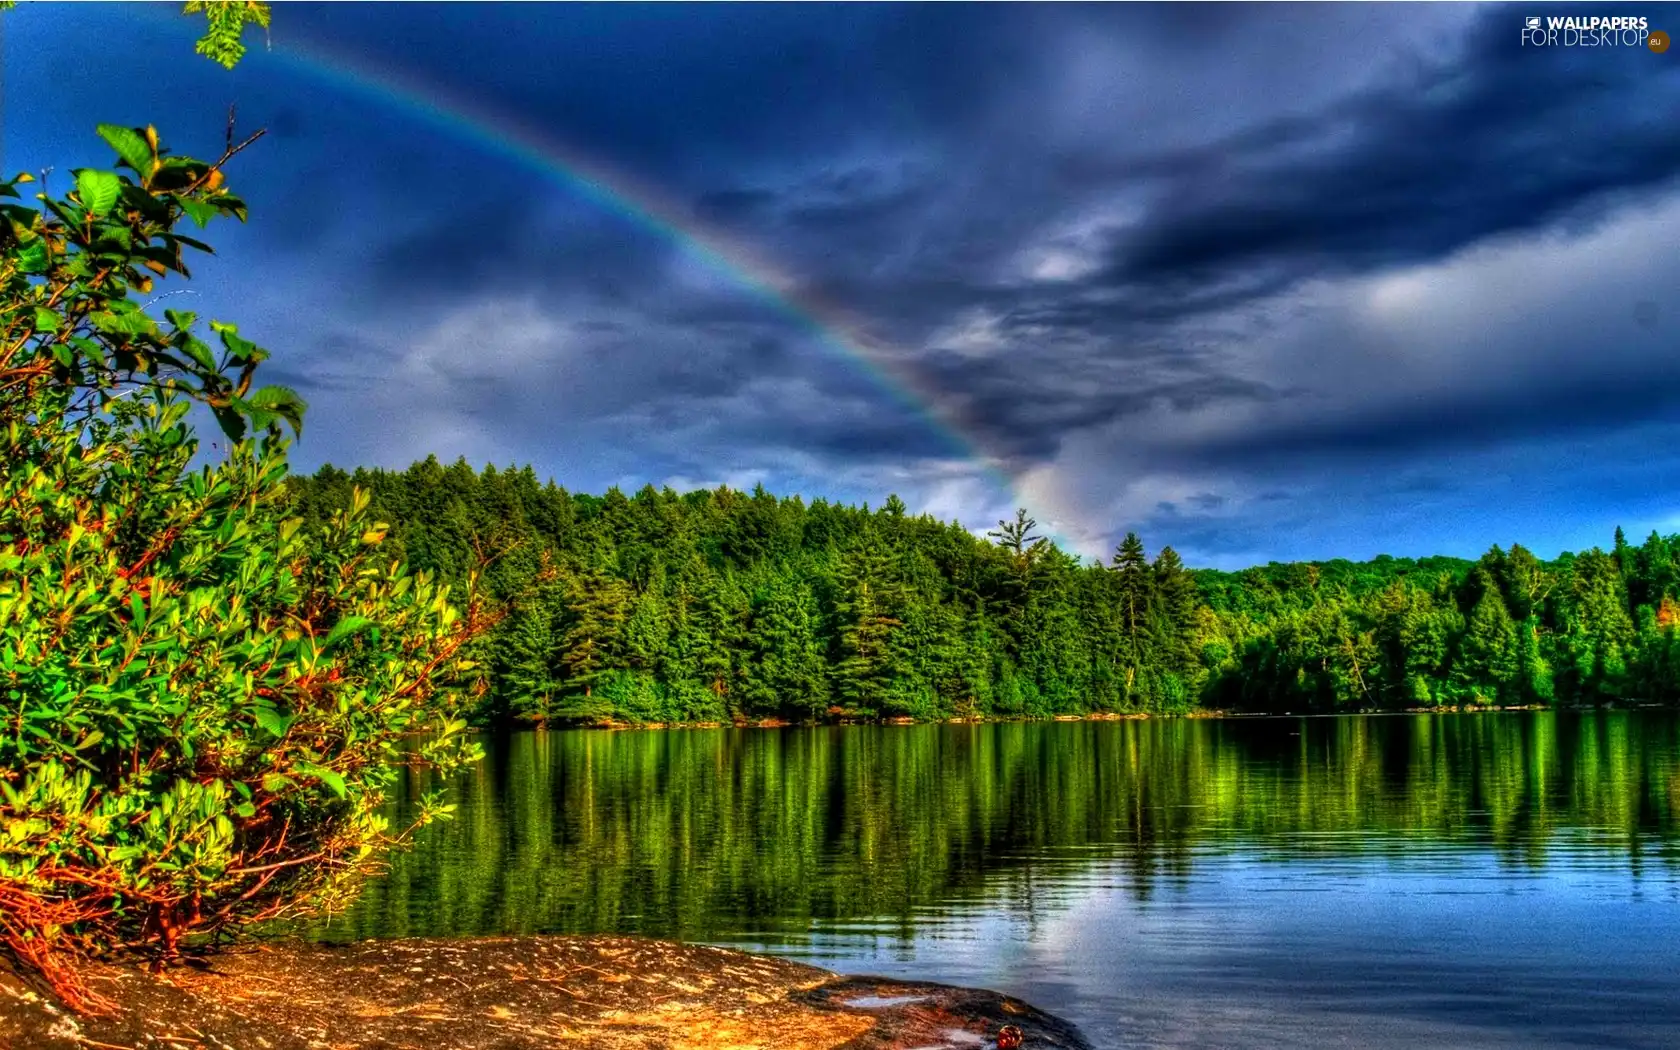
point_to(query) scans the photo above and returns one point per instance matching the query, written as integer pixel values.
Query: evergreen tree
(527, 673)
(1534, 673)
(787, 668)
(1175, 602)
(1134, 595)
(865, 612)
(1487, 668)
(595, 608)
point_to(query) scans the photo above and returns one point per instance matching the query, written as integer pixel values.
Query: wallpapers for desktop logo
(1593, 31)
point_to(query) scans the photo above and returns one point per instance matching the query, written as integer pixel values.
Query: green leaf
(200, 353)
(348, 627)
(233, 206)
(99, 190)
(241, 348)
(273, 721)
(181, 238)
(46, 320)
(198, 211)
(283, 402)
(327, 776)
(130, 324)
(90, 349)
(33, 257)
(233, 424)
(130, 145)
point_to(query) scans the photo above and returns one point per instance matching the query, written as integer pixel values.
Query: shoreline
(516, 993)
(610, 725)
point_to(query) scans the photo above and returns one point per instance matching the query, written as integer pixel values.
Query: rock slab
(516, 993)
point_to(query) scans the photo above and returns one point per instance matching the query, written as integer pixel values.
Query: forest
(719, 605)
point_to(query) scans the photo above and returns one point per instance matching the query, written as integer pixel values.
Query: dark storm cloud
(341, 361)
(1444, 422)
(903, 241)
(1460, 147)
(1465, 151)
(875, 437)
(1025, 411)
(1130, 240)
(510, 236)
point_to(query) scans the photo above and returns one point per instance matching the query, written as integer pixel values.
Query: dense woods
(720, 605)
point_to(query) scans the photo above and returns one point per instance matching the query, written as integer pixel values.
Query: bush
(203, 702)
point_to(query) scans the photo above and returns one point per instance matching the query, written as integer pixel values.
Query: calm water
(1471, 880)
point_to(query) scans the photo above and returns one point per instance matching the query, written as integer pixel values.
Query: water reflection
(1295, 879)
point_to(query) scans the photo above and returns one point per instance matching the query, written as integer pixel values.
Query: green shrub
(203, 701)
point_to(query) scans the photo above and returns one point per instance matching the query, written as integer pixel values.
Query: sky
(1259, 282)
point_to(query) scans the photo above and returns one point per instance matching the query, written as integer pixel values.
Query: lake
(1492, 879)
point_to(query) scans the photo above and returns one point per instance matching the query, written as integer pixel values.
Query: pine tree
(596, 605)
(1175, 602)
(1487, 667)
(786, 668)
(528, 675)
(717, 620)
(1131, 570)
(1534, 674)
(1524, 582)
(1023, 549)
(1597, 636)
(1653, 578)
(1134, 594)
(1626, 556)
(865, 612)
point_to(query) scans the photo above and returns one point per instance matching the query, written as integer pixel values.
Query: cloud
(1498, 139)
(1262, 281)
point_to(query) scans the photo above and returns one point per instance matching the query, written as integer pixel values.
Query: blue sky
(1260, 282)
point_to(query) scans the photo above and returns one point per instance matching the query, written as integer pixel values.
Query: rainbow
(655, 211)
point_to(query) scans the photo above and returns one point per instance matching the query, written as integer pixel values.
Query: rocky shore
(515, 993)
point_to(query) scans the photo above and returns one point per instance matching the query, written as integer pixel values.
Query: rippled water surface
(1386, 881)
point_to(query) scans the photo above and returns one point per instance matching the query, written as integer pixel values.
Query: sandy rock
(515, 993)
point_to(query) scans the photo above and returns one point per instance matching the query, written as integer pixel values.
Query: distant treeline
(719, 605)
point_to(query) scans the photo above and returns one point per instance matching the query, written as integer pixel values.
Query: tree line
(718, 605)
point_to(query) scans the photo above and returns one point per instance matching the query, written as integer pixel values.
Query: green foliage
(70, 268)
(726, 605)
(204, 696)
(223, 39)
(222, 42)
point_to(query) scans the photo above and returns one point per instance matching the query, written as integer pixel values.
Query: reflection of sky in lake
(1257, 950)
(1390, 882)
